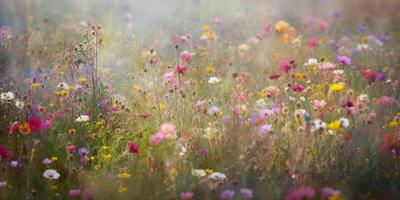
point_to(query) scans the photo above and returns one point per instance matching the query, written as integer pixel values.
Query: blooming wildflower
(186, 56)
(123, 175)
(35, 85)
(19, 104)
(318, 125)
(149, 55)
(82, 80)
(35, 124)
(63, 86)
(74, 192)
(344, 60)
(311, 62)
(319, 104)
(210, 69)
(72, 131)
(312, 42)
(186, 195)
(82, 118)
(246, 193)
(326, 65)
(265, 128)
(13, 128)
(217, 176)
(3, 184)
(168, 129)
(285, 65)
(24, 128)
(14, 164)
(301, 193)
(157, 138)
(83, 151)
(298, 88)
(208, 33)
(213, 110)
(133, 148)
(337, 86)
(227, 194)
(244, 47)
(281, 26)
(327, 192)
(51, 174)
(214, 80)
(198, 172)
(106, 156)
(4, 153)
(122, 189)
(344, 122)
(181, 68)
(47, 161)
(335, 125)
(7, 96)
(71, 148)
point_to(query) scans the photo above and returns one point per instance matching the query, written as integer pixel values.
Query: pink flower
(181, 68)
(4, 153)
(133, 148)
(169, 77)
(319, 104)
(323, 25)
(385, 100)
(186, 195)
(46, 123)
(74, 192)
(13, 128)
(285, 65)
(71, 148)
(157, 138)
(186, 56)
(312, 42)
(298, 88)
(168, 129)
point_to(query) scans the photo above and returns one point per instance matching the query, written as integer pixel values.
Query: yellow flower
(337, 86)
(208, 34)
(104, 147)
(221, 114)
(281, 26)
(173, 173)
(211, 69)
(136, 88)
(61, 92)
(54, 158)
(393, 124)
(163, 106)
(300, 75)
(124, 175)
(335, 125)
(35, 85)
(122, 189)
(209, 171)
(82, 80)
(262, 93)
(107, 156)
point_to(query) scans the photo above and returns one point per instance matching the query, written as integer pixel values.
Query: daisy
(51, 174)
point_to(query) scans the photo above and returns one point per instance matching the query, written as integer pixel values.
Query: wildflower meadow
(200, 99)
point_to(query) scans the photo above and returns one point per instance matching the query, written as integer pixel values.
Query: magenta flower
(157, 138)
(4, 153)
(312, 42)
(344, 60)
(186, 56)
(285, 65)
(35, 124)
(13, 128)
(186, 195)
(227, 194)
(74, 192)
(181, 68)
(133, 148)
(298, 88)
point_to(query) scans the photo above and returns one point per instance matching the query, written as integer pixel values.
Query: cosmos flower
(344, 60)
(133, 148)
(181, 68)
(186, 56)
(35, 124)
(51, 174)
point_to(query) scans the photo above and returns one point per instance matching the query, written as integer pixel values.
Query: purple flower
(74, 192)
(265, 128)
(227, 194)
(247, 193)
(381, 76)
(83, 151)
(362, 28)
(213, 110)
(301, 193)
(186, 195)
(327, 192)
(47, 161)
(203, 150)
(344, 60)
(14, 164)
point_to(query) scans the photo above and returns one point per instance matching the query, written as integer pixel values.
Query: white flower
(51, 174)
(3, 184)
(326, 65)
(82, 118)
(183, 150)
(318, 125)
(214, 80)
(363, 47)
(244, 47)
(7, 96)
(261, 103)
(311, 62)
(344, 122)
(63, 86)
(338, 72)
(19, 104)
(217, 176)
(363, 97)
(198, 172)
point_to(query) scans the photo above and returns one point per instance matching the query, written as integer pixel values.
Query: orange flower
(25, 129)
(72, 131)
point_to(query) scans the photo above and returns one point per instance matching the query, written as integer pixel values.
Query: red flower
(133, 148)
(274, 76)
(4, 153)
(35, 124)
(13, 128)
